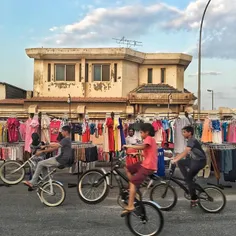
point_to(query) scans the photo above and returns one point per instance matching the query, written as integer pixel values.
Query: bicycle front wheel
(149, 223)
(164, 195)
(212, 200)
(52, 195)
(12, 172)
(92, 187)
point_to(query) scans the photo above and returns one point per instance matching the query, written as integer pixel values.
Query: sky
(161, 26)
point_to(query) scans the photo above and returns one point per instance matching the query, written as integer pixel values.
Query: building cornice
(109, 54)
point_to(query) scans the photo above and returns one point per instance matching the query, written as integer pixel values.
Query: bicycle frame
(42, 182)
(30, 162)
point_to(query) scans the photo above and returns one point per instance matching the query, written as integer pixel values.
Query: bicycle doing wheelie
(13, 172)
(94, 179)
(211, 199)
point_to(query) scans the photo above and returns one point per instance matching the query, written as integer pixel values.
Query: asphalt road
(22, 214)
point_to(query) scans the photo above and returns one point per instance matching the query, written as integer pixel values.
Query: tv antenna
(129, 43)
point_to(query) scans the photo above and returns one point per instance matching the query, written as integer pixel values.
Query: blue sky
(162, 26)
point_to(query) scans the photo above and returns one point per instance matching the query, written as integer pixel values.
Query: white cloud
(102, 24)
(219, 35)
(204, 73)
(54, 28)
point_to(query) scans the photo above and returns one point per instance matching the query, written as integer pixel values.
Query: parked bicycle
(13, 172)
(93, 180)
(211, 199)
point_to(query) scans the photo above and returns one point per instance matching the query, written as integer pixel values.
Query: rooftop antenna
(129, 43)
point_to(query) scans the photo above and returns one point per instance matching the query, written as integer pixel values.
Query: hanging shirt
(31, 127)
(13, 130)
(54, 130)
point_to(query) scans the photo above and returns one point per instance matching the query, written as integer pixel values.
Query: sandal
(194, 203)
(126, 212)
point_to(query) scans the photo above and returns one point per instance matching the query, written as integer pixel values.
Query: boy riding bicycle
(195, 161)
(138, 172)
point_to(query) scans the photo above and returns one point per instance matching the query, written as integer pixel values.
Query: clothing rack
(80, 145)
(212, 147)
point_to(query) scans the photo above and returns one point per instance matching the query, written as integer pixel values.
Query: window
(64, 72)
(149, 76)
(86, 72)
(101, 72)
(80, 72)
(115, 72)
(163, 75)
(49, 72)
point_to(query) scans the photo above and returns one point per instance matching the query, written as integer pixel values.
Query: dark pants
(194, 167)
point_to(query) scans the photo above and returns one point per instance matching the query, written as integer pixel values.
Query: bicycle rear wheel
(92, 187)
(212, 200)
(11, 172)
(150, 225)
(52, 195)
(164, 195)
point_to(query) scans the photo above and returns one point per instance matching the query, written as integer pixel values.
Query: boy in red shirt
(138, 172)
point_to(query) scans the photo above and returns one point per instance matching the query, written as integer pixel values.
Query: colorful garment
(54, 130)
(13, 130)
(110, 125)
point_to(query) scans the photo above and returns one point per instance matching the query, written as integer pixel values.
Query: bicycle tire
(44, 192)
(210, 210)
(160, 216)
(104, 193)
(3, 173)
(157, 188)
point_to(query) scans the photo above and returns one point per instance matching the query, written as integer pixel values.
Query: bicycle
(168, 196)
(16, 167)
(142, 208)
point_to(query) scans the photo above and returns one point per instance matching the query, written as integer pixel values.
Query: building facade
(101, 80)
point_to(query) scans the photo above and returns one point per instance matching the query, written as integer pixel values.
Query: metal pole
(212, 100)
(199, 60)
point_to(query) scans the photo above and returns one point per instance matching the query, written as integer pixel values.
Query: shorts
(139, 173)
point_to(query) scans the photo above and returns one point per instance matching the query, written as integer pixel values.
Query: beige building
(101, 80)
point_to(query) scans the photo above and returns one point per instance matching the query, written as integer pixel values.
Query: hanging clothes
(45, 128)
(179, 141)
(22, 131)
(31, 127)
(86, 132)
(110, 125)
(54, 130)
(157, 125)
(216, 132)
(232, 132)
(207, 131)
(105, 139)
(122, 135)
(13, 125)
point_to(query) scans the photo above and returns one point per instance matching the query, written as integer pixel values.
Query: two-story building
(101, 80)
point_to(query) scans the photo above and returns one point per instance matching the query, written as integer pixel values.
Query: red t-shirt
(54, 130)
(150, 154)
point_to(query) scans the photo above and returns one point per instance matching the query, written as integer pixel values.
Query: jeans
(42, 167)
(194, 167)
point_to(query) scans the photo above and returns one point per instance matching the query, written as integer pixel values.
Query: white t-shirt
(132, 140)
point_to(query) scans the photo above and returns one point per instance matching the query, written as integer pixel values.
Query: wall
(130, 77)
(152, 109)
(76, 88)
(2, 91)
(105, 88)
(171, 74)
(180, 78)
(14, 92)
(43, 88)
